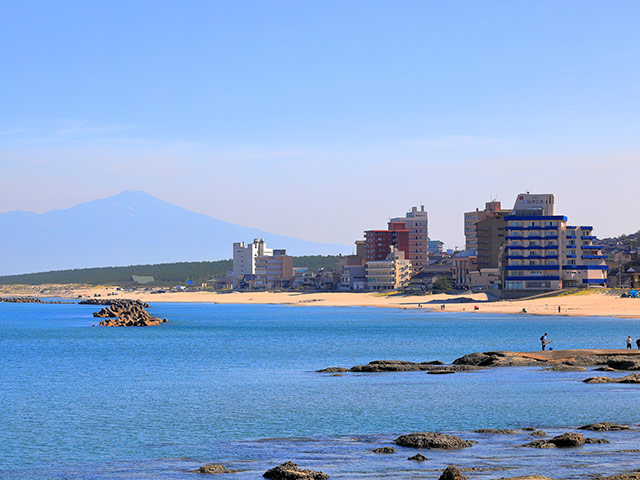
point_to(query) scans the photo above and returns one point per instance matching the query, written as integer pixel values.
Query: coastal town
(509, 253)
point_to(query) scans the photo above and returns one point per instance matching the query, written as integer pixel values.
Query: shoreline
(586, 303)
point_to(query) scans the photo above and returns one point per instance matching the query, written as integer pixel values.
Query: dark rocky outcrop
(385, 450)
(452, 473)
(126, 313)
(633, 378)
(538, 433)
(623, 476)
(624, 364)
(497, 431)
(566, 440)
(595, 441)
(539, 444)
(431, 440)
(333, 370)
(290, 471)
(393, 366)
(604, 427)
(418, 457)
(214, 468)
(497, 359)
(25, 300)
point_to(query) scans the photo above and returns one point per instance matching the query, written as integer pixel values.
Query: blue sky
(321, 119)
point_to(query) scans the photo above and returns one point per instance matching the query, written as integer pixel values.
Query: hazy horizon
(319, 121)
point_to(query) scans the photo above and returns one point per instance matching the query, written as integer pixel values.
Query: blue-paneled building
(543, 253)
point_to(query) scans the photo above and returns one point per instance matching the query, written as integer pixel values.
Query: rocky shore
(405, 459)
(124, 313)
(559, 361)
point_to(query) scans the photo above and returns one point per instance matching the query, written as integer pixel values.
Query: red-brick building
(378, 243)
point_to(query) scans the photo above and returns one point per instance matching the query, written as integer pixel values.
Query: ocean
(237, 384)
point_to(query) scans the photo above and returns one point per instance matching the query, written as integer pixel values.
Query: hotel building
(543, 253)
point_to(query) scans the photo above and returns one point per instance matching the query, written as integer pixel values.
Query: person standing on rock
(543, 340)
(638, 343)
(629, 342)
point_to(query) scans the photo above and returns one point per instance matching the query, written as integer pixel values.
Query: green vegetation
(163, 273)
(443, 282)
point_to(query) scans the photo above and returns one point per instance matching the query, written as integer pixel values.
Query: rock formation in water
(431, 440)
(290, 471)
(566, 440)
(126, 313)
(633, 378)
(452, 473)
(604, 427)
(385, 450)
(214, 468)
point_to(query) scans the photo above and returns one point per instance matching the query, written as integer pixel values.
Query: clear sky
(322, 119)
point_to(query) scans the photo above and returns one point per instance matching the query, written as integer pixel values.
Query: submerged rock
(290, 471)
(394, 366)
(538, 433)
(214, 468)
(528, 477)
(431, 440)
(633, 378)
(385, 450)
(497, 431)
(566, 440)
(452, 473)
(595, 441)
(418, 458)
(603, 427)
(333, 370)
(564, 368)
(539, 444)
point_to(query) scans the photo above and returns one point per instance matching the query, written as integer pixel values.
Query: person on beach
(638, 343)
(543, 340)
(629, 342)
(559, 309)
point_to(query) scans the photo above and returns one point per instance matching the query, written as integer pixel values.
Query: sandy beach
(583, 303)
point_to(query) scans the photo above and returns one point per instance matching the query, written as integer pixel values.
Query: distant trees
(443, 282)
(163, 273)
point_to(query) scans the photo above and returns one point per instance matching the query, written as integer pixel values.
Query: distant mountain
(127, 229)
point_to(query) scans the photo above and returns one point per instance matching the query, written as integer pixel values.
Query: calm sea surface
(236, 384)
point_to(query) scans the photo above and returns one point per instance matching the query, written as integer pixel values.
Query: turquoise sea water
(237, 384)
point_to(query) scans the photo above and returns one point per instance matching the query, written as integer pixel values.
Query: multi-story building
(417, 222)
(543, 253)
(461, 267)
(273, 271)
(378, 243)
(390, 274)
(491, 209)
(490, 235)
(244, 258)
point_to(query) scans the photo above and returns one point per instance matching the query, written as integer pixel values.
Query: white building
(244, 258)
(417, 222)
(390, 274)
